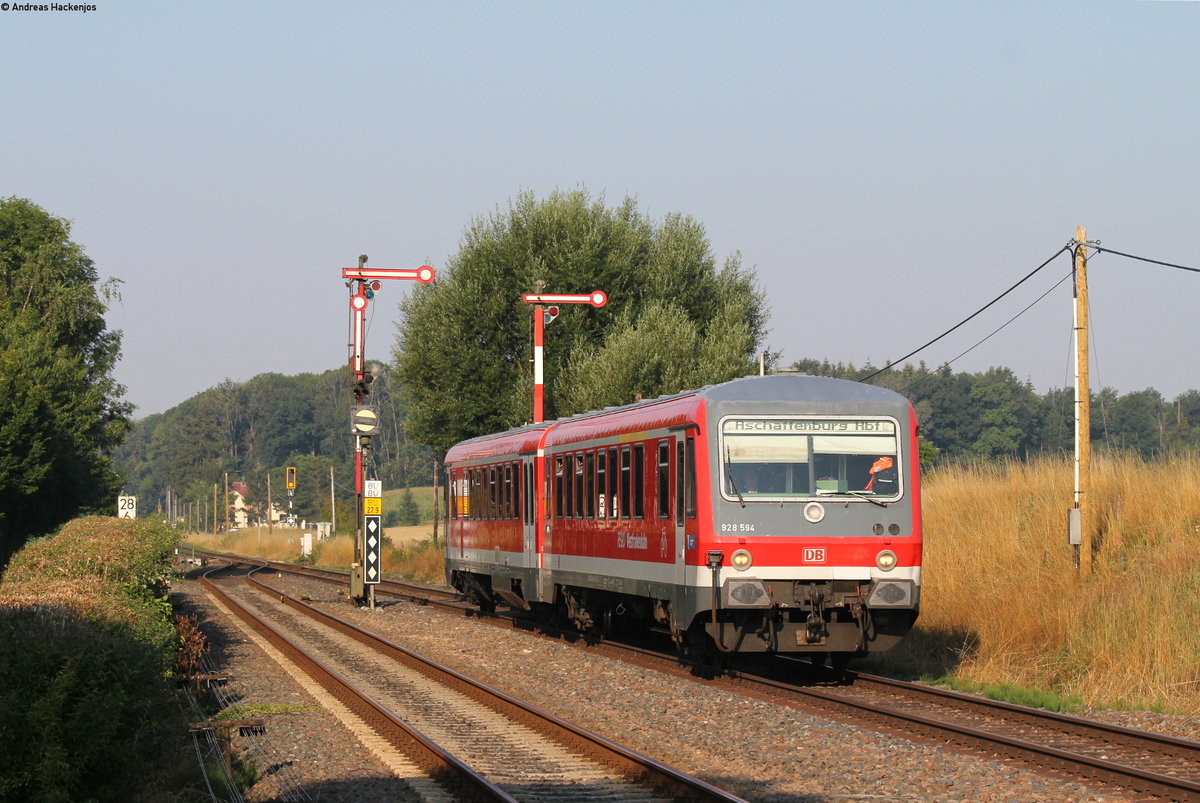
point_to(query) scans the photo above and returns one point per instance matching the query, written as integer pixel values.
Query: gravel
(754, 749)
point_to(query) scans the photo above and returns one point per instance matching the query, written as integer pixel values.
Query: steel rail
(636, 767)
(441, 766)
(1099, 769)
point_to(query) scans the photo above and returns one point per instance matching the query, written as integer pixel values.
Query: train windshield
(788, 457)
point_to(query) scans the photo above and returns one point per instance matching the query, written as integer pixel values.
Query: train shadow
(926, 652)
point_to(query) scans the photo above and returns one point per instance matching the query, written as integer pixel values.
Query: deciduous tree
(464, 345)
(61, 412)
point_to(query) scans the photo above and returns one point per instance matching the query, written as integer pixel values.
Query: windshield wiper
(729, 473)
(863, 495)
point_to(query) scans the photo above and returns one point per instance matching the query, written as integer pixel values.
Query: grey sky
(886, 168)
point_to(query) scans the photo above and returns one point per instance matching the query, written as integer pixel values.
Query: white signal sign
(365, 421)
(372, 487)
(423, 274)
(127, 507)
(597, 298)
(372, 542)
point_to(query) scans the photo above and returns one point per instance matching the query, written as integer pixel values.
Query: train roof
(799, 387)
(821, 391)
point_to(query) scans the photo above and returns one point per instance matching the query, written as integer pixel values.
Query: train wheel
(700, 651)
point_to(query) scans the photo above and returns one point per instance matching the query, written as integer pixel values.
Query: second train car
(768, 514)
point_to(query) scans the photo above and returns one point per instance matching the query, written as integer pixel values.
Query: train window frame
(568, 485)
(451, 495)
(679, 482)
(639, 481)
(493, 494)
(516, 490)
(589, 480)
(601, 484)
(509, 507)
(557, 484)
(690, 479)
(527, 497)
(663, 498)
(626, 480)
(477, 489)
(579, 485)
(614, 483)
(821, 443)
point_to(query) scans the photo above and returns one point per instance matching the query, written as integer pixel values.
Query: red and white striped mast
(541, 317)
(364, 282)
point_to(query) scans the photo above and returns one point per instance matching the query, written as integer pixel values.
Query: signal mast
(363, 283)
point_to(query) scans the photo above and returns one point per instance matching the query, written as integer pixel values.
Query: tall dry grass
(408, 551)
(1003, 602)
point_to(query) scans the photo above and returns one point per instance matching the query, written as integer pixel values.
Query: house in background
(238, 491)
(244, 514)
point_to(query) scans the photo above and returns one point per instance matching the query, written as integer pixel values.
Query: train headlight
(886, 560)
(741, 560)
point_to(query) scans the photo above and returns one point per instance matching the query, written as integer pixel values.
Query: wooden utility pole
(435, 501)
(216, 521)
(226, 501)
(270, 526)
(1083, 407)
(332, 505)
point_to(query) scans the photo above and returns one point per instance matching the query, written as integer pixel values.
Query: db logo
(814, 555)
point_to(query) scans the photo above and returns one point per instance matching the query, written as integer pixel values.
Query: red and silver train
(768, 514)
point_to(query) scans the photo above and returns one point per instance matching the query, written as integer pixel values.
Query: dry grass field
(1003, 604)
(408, 551)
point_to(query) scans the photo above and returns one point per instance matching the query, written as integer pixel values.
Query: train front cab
(813, 536)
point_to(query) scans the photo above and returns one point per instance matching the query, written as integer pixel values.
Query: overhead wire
(1097, 247)
(1027, 276)
(989, 336)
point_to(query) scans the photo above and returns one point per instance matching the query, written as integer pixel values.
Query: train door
(686, 526)
(528, 517)
(680, 520)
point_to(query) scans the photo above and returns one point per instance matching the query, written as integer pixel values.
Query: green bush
(129, 553)
(85, 712)
(87, 706)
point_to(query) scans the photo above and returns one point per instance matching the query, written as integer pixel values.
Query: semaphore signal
(541, 317)
(364, 283)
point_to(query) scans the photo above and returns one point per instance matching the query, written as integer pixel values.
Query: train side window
(614, 474)
(639, 481)
(508, 492)
(626, 477)
(516, 492)
(601, 487)
(579, 462)
(589, 478)
(451, 495)
(568, 486)
(679, 482)
(690, 480)
(513, 472)
(527, 487)
(477, 509)
(664, 480)
(558, 486)
(493, 494)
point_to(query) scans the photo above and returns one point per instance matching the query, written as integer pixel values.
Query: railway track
(475, 741)
(1146, 763)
